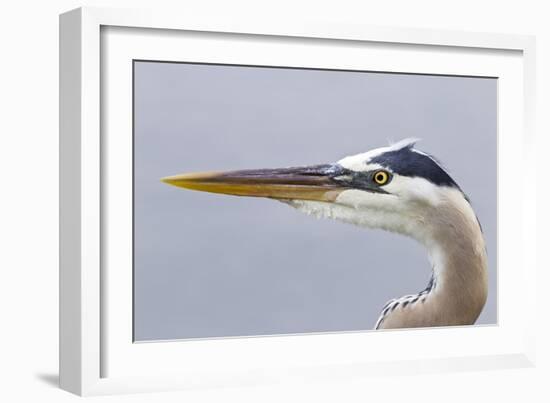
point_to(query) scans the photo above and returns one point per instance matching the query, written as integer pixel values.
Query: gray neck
(458, 289)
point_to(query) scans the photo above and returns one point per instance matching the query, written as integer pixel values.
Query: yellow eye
(381, 177)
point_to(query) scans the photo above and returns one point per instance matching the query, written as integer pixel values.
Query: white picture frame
(97, 355)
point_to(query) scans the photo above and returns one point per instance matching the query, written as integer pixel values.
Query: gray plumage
(396, 188)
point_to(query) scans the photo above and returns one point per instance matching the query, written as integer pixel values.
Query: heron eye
(381, 177)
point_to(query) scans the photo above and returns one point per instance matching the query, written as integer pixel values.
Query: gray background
(212, 265)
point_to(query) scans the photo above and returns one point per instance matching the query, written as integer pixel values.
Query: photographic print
(278, 200)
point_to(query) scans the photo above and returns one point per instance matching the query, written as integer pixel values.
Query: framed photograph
(253, 202)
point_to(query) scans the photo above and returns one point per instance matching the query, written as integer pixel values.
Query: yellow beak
(301, 183)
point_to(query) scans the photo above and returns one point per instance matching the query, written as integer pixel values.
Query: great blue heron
(396, 188)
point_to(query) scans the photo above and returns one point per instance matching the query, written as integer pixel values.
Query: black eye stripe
(360, 180)
(408, 162)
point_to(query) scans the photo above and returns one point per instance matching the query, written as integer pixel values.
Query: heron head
(392, 188)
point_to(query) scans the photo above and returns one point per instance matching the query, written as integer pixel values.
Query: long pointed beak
(300, 183)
